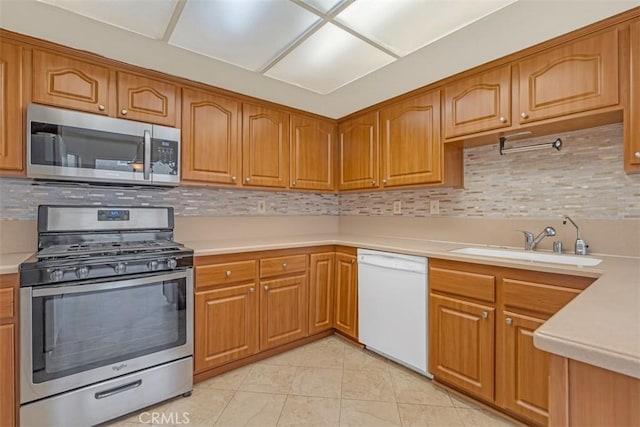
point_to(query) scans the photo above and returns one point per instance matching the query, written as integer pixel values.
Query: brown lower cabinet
(8, 350)
(252, 302)
(346, 299)
(482, 320)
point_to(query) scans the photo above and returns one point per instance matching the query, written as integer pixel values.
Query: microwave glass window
(71, 147)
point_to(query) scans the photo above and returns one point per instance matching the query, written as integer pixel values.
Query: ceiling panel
(324, 6)
(329, 59)
(248, 33)
(132, 15)
(403, 26)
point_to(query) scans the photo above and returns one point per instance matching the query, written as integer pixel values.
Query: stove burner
(105, 249)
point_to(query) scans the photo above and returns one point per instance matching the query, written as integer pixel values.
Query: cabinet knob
(252, 290)
(247, 179)
(384, 181)
(524, 115)
(124, 111)
(293, 184)
(637, 154)
(284, 265)
(373, 182)
(509, 321)
(228, 273)
(353, 261)
(502, 119)
(266, 287)
(484, 314)
(233, 178)
(101, 107)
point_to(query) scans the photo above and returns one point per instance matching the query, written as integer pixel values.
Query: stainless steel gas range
(106, 315)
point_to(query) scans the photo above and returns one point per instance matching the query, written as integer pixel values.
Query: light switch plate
(262, 206)
(397, 207)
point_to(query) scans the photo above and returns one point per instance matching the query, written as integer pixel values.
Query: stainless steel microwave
(74, 146)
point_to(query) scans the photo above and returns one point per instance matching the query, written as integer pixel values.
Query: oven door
(75, 335)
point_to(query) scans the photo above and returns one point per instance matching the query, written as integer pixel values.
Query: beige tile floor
(326, 383)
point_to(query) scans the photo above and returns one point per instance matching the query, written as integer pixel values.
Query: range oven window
(77, 332)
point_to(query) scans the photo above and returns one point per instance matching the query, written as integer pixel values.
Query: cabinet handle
(637, 154)
(266, 287)
(502, 119)
(353, 261)
(373, 182)
(284, 265)
(484, 314)
(384, 181)
(524, 115)
(101, 107)
(247, 179)
(252, 290)
(509, 321)
(228, 273)
(293, 184)
(233, 178)
(124, 111)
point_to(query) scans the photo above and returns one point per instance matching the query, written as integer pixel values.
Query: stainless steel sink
(531, 256)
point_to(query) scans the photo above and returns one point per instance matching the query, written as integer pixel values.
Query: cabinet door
(572, 78)
(321, 292)
(346, 299)
(358, 153)
(312, 153)
(522, 369)
(461, 344)
(146, 100)
(11, 103)
(265, 147)
(478, 103)
(226, 325)
(7, 375)
(411, 145)
(632, 152)
(283, 311)
(71, 83)
(210, 143)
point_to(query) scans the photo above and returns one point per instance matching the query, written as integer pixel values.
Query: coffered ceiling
(327, 56)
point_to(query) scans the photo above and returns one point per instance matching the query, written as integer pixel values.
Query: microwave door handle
(147, 155)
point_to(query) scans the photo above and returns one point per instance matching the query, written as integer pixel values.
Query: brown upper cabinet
(313, 147)
(632, 152)
(478, 103)
(210, 138)
(265, 146)
(411, 144)
(11, 105)
(146, 100)
(67, 82)
(578, 76)
(358, 148)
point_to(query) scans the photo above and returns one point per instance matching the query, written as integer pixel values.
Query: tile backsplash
(585, 179)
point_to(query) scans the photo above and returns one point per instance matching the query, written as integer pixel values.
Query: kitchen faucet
(580, 246)
(530, 242)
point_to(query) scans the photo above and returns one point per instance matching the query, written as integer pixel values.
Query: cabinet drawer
(7, 301)
(282, 265)
(471, 285)
(536, 296)
(223, 273)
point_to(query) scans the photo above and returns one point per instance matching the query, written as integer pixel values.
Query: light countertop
(600, 327)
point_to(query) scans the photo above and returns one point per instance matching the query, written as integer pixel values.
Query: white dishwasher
(392, 307)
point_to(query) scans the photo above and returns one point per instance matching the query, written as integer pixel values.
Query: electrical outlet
(434, 207)
(397, 207)
(262, 206)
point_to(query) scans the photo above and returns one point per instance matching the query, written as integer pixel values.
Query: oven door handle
(76, 289)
